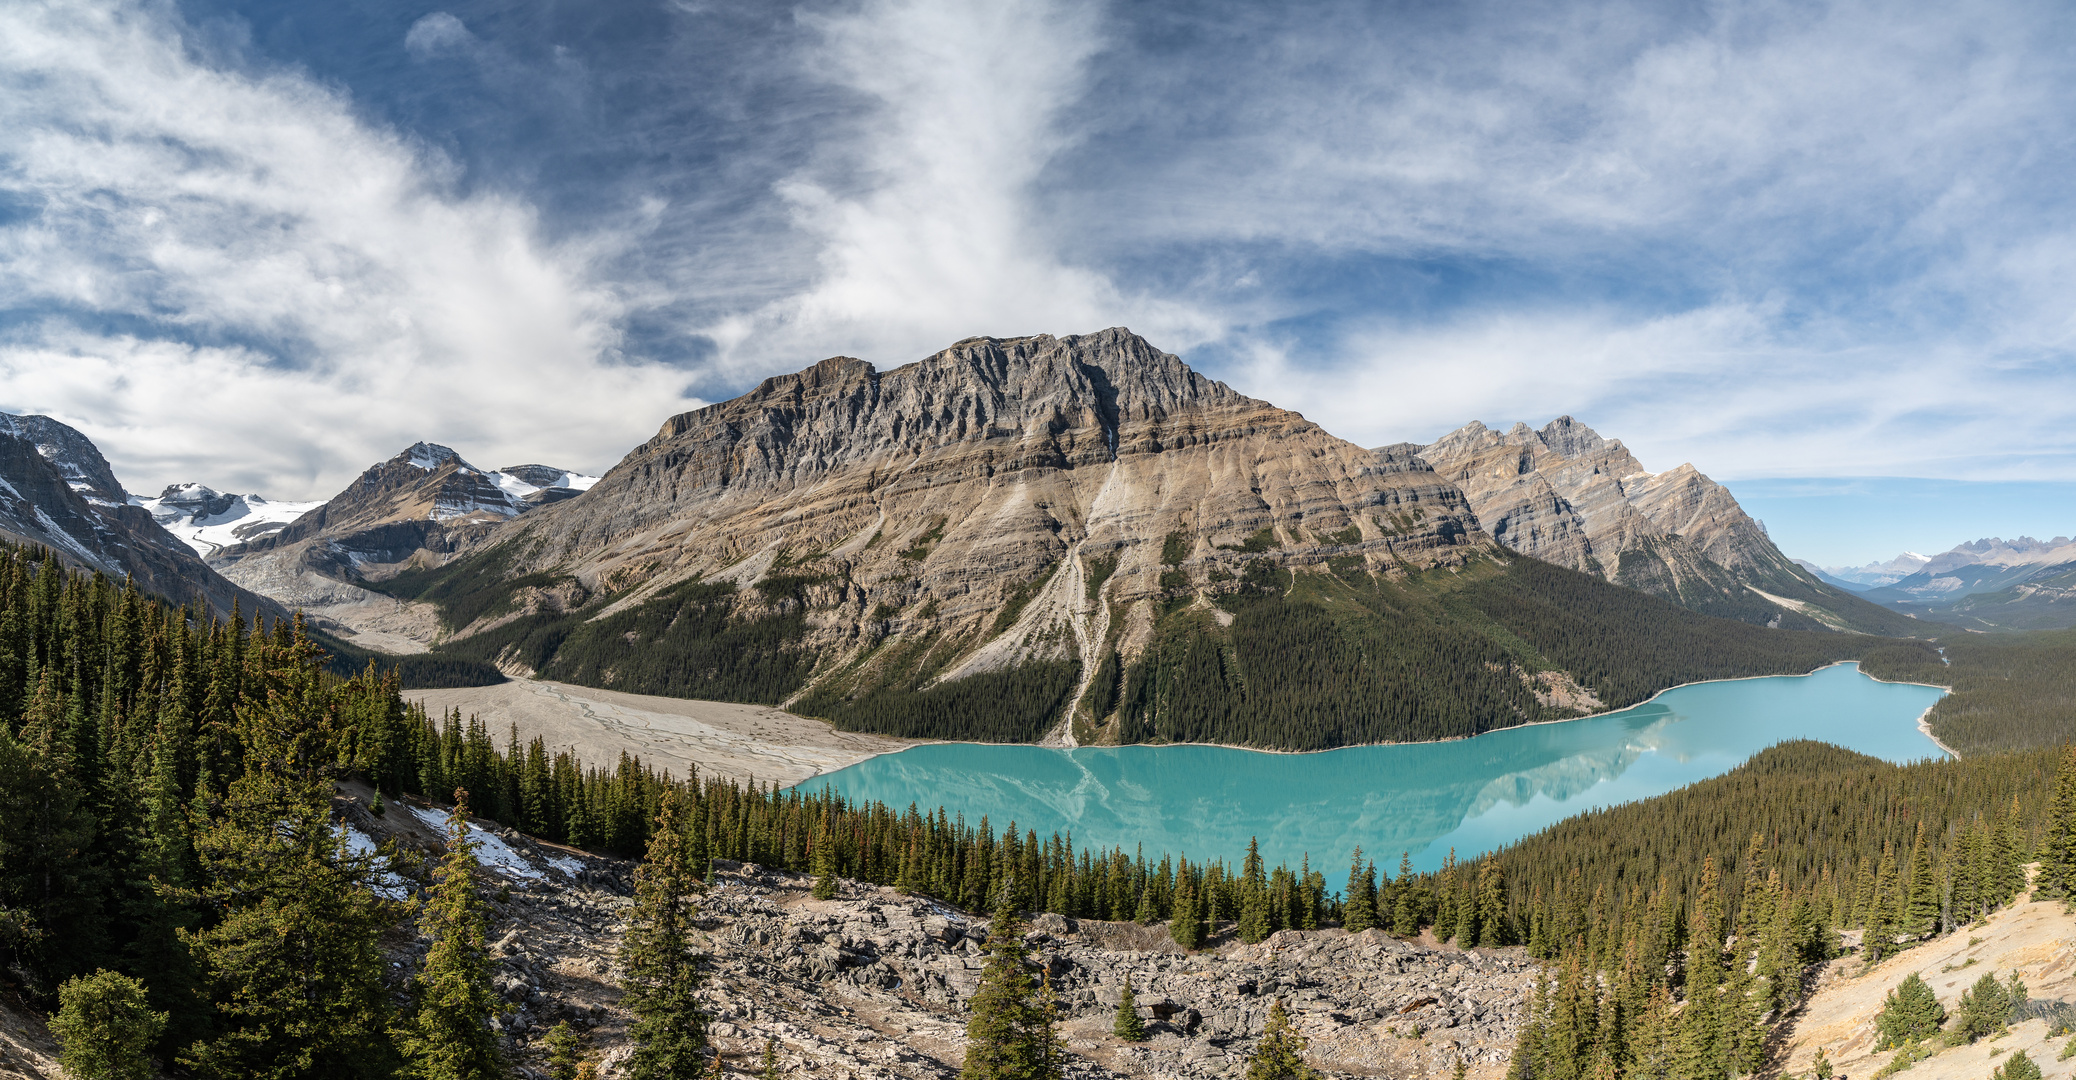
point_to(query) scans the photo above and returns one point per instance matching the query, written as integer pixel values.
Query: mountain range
(1079, 538)
(1987, 584)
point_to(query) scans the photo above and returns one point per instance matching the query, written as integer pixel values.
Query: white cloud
(923, 210)
(293, 293)
(438, 33)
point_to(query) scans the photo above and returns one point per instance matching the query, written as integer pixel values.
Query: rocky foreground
(872, 984)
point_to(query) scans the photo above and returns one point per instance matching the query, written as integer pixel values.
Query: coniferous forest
(165, 802)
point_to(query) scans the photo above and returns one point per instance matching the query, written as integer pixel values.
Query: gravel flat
(722, 738)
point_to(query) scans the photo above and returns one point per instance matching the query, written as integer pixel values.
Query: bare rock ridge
(57, 490)
(1568, 496)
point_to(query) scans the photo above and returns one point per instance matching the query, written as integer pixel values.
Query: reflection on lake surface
(1471, 794)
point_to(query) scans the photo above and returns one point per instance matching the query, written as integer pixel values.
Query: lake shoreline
(1922, 725)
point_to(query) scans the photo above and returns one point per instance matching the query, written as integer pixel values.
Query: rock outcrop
(874, 983)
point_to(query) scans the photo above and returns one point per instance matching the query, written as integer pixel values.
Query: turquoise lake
(1470, 794)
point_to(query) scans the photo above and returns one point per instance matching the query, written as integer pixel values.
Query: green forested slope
(1319, 660)
(2011, 691)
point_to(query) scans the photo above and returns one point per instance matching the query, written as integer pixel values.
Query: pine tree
(1359, 909)
(1985, 1009)
(1127, 1025)
(662, 972)
(768, 1065)
(2016, 1067)
(1009, 1034)
(1278, 1055)
(1911, 1012)
(106, 1027)
(448, 1034)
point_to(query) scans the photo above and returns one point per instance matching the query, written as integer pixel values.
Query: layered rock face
(1565, 495)
(57, 490)
(1568, 496)
(932, 493)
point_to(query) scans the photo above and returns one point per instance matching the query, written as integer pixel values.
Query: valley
(1045, 625)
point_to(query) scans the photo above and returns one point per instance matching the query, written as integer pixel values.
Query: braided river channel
(1472, 795)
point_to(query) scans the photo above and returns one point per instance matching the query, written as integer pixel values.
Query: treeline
(2011, 691)
(1300, 661)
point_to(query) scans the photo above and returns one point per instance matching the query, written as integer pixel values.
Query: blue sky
(263, 244)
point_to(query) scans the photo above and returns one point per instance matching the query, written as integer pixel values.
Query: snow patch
(491, 850)
(387, 884)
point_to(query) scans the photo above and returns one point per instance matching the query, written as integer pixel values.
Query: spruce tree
(2017, 1067)
(106, 1026)
(1185, 924)
(1009, 1033)
(1358, 908)
(1405, 907)
(1278, 1055)
(1910, 1013)
(768, 1065)
(824, 866)
(1920, 907)
(662, 971)
(448, 1034)
(2058, 847)
(293, 962)
(1985, 1009)
(1127, 1025)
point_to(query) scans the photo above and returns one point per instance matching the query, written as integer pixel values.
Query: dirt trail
(2037, 940)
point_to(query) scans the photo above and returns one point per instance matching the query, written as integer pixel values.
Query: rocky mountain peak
(1566, 495)
(428, 456)
(1570, 438)
(76, 457)
(196, 500)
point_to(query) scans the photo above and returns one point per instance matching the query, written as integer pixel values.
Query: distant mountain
(1078, 535)
(1874, 575)
(1566, 495)
(57, 490)
(209, 520)
(1991, 584)
(421, 503)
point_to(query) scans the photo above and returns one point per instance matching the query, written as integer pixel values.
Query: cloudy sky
(1816, 249)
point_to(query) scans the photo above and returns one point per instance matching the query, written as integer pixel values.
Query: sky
(1820, 250)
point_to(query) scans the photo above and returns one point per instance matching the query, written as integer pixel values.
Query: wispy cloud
(922, 210)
